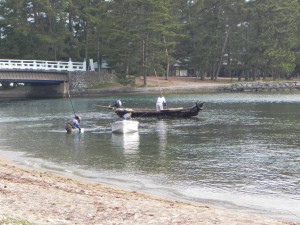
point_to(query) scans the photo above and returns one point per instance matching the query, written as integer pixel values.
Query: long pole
(71, 103)
(104, 106)
(158, 82)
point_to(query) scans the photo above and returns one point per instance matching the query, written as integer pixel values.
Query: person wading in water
(73, 124)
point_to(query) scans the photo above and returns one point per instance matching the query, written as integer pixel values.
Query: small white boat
(125, 126)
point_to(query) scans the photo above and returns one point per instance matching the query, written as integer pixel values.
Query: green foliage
(281, 59)
(135, 37)
(14, 221)
(272, 35)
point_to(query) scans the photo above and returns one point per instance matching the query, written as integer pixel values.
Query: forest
(250, 39)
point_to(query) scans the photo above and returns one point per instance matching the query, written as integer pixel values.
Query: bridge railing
(42, 65)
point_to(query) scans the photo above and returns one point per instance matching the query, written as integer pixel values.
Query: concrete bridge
(41, 78)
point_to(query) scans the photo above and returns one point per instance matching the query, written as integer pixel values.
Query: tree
(33, 29)
(14, 29)
(140, 37)
(208, 26)
(272, 36)
(214, 37)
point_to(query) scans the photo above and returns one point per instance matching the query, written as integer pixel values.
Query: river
(242, 151)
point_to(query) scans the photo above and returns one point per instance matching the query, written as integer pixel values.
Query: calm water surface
(242, 151)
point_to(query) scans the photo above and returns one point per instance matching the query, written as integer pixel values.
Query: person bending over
(73, 124)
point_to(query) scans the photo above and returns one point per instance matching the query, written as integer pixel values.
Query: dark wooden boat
(168, 112)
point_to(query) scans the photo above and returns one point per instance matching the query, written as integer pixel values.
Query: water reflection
(75, 143)
(128, 142)
(161, 128)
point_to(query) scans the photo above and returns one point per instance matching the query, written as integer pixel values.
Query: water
(241, 152)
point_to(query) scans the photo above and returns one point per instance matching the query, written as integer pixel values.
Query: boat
(124, 126)
(166, 112)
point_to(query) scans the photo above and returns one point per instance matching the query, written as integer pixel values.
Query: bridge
(42, 78)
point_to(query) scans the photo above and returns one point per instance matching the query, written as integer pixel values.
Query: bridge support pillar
(40, 90)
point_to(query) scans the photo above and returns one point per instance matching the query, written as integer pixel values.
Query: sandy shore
(40, 197)
(161, 85)
(154, 86)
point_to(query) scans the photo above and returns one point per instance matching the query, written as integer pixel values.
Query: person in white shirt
(160, 103)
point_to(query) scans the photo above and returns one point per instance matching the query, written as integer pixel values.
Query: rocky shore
(262, 86)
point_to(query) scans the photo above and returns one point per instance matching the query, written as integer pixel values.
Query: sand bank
(44, 198)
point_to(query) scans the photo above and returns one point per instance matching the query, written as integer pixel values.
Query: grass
(6, 220)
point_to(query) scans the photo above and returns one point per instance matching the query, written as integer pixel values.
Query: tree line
(251, 39)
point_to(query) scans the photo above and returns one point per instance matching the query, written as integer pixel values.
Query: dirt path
(152, 81)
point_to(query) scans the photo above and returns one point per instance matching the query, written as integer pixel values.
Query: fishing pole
(158, 82)
(71, 103)
(102, 106)
(143, 115)
(81, 130)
